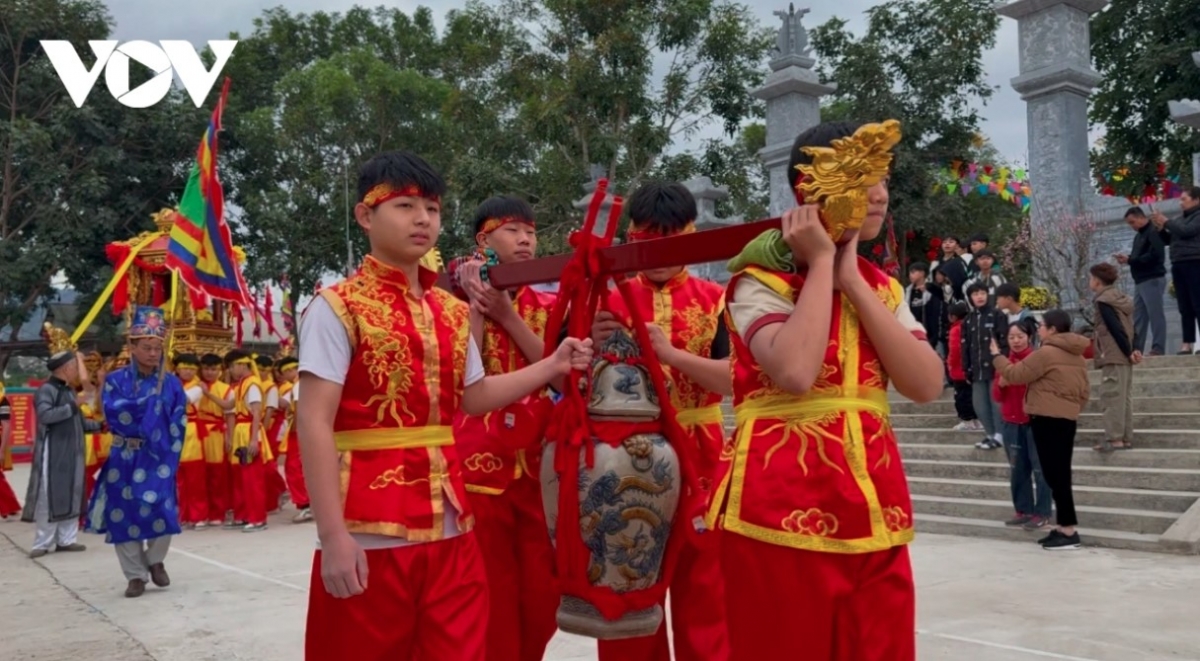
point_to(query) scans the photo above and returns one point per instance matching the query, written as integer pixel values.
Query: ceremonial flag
(201, 248)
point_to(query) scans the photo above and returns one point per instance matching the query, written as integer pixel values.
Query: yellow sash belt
(813, 405)
(394, 438)
(701, 416)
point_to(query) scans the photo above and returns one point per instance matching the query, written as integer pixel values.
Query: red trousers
(9, 505)
(424, 602)
(786, 604)
(293, 471)
(217, 478)
(511, 529)
(697, 593)
(193, 487)
(250, 492)
(273, 485)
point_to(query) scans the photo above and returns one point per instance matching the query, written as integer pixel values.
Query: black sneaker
(1018, 520)
(1054, 534)
(1063, 542)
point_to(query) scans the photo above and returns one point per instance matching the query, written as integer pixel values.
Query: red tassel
(241, 331)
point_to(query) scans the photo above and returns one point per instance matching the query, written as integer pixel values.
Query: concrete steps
(1175, 502)
(1137, 458)
(930, 421)
(1141, 406)
(1145, 439)
(967, 527)
(1144, 522)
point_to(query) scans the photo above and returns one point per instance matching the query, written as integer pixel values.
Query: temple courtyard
(238, 596)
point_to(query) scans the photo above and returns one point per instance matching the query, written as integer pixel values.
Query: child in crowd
(1030, 494)
(985, 273)
(984, 324)
(958, 378)
(928, 304)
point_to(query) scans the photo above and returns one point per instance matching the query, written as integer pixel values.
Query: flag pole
(346, 196)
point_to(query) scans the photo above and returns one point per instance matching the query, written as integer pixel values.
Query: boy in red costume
(692, 343)
(502, 481)
(814, 501)
(273, 419)
(386, 363)
(293, 471)
(193, 494)
(214, 423)
(249, 452)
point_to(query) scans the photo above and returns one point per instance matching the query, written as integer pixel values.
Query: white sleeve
(474, 364)
(295, 394)
(286, 398)
(253, 395)
(325, 349)
(273, 397)
(194, 394)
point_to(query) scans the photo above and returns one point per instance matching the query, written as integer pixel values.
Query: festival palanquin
(147, 281)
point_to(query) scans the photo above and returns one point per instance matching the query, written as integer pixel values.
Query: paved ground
(242, 597)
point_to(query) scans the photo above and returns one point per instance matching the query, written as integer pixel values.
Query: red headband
(384, 192)
(492, 224)
(652, 233)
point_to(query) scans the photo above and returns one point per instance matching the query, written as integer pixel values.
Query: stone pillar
(793, 95)
(1187, 112)
(1056, 80)
(596, 173)
(707, 195)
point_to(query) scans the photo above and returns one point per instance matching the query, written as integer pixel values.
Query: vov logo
(178, 57)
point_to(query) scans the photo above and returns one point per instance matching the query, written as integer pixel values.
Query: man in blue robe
(134, 503)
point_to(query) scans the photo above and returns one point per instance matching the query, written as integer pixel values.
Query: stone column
(793, 95)
(1056, 80)
(707, 195)
(1187, 112)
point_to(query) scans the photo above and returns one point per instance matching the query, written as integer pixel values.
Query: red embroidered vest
(819, 471)
(399, 467)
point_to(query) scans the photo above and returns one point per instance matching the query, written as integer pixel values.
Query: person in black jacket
(984, 324)
(928, 304)
(1183, 235)
(953, 266)
(1147, 265)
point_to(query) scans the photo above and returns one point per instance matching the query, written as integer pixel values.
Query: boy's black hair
(959, 310)
(264, 362)
(235, 355)
(1105, 272)
(985, 253)
(1028, 325)
(187, 358)
(919, 266)
(1194, 192)
(1057, 319)
(286, 362)
(952, 236)
(978, 236)
(211, 360)
(666, 207)
(821, 135)
(1135, 212)
(976, 286)
(1010, 290)
(400, 169)
(502, 206)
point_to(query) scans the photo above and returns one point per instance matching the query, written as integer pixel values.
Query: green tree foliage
(616, 84)
(1144, 51)
(516, 99)
(920, 62)
(73, 179)
(735, 165)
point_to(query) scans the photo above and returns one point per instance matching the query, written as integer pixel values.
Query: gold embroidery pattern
(387, 354)
(484, 462)
(809, 429)
(811, 522)
(395, 476)
(896, 520)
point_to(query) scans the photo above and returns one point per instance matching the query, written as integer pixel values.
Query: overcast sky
(197, 22)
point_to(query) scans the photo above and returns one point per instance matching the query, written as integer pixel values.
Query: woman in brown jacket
(1056, 375)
